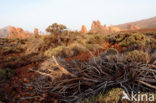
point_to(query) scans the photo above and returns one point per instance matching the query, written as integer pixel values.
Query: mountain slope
(143, 24)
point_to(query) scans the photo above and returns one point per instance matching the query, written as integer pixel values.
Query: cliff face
(18, 33)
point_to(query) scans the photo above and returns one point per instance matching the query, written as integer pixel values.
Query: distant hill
(143, 24)
(5, 31)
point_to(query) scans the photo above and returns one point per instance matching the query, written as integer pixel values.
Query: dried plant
(84, 79)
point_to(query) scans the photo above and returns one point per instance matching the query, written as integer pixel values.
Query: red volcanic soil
(87, 55)
(14, 90)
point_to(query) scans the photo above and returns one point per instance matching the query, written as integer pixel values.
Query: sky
(30, 14)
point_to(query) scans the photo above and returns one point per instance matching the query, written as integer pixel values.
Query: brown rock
(133, 27)
(36, 31)
(18, 33)
(105, 28)
(97, 27)
(136, 27)
(12, 32)
(19, 30)
(84, 29)
(114, 29)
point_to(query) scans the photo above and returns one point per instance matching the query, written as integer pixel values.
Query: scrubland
(69, 66)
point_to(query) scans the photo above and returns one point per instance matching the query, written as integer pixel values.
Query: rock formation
(114, 29)
(18, 33)
(132, 27)
(97, 27)
(36, 32)
(83, 29)
(137, 27)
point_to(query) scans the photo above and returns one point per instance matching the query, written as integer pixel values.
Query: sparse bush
(77, 48)
(56, 28)
(93, 47)
(69, 51)
(35, 46)
(152, 43)
(112, 96)
(54, 51)
(96, 39)
(12, 58)
(8, 50)
(135, 38)
(137, 56)
(111, 51)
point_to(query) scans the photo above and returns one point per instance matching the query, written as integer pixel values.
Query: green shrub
(69, 51)
(8, 50)
(135, 38)
(137, 56)
(96, 39)
(93, 47)
(77, 48)
(54, 51)
(112, 96)
(12, 58)
(152, 43)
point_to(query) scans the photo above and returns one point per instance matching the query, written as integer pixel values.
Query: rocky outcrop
(36, 33)
(18, 33)
(114, 29)
(133, 27)
(84, 29)
(97, 27)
